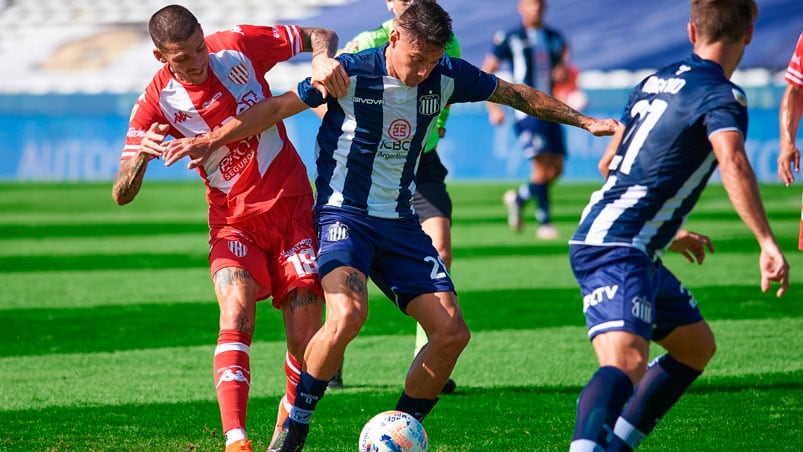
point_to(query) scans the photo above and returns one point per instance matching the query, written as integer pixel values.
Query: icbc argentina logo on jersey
(399, 131)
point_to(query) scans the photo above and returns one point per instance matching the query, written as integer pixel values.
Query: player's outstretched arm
(740, 183)
(259, 117)
(328, 75)
(789, 114)
(692, 245)
(131, 172)
(541, 105)
(604, 164)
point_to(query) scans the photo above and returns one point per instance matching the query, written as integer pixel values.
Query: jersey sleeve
(471, 84)
(309, 94)
(727, 111)
(143, 114)
(368, 39)
(794, 73)
(501, 47)
(264, 45)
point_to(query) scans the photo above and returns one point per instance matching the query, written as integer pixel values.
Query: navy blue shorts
(395, 253)
(536, 136)
(623, 290)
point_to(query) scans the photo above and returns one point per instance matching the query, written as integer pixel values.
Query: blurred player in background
(538, 56)
(261, 227)
(789, 120)
(678, 126)
(430, 199)
(367, 149)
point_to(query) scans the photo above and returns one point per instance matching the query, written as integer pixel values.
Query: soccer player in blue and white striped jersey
(678, 125)
(367, 151)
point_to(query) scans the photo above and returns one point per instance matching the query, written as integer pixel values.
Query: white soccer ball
(393, 431)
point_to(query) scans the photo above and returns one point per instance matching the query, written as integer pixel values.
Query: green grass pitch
(108, 323)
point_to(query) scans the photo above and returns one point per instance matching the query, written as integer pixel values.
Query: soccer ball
(393, 431)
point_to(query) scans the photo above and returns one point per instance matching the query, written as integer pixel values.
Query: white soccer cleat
(547, 232)
(514, 219)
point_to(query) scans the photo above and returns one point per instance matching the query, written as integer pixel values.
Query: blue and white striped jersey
(665, 158)
(532, 54)
(370, 140)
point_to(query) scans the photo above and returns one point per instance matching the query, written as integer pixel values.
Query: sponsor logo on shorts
(642, 309)
(337, 231)
(237, 248)
(599, 295)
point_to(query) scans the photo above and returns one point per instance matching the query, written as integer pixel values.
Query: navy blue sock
(541, 194)
(418, 408)
(600, 403)
(309, 391)
(664, 383)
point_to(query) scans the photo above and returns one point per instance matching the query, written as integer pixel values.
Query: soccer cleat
(547, 232)
(281, 419)
(288, 440)
(449, 387)
(242, 445)
(514, 219)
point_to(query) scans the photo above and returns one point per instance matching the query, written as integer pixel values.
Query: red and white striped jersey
(243, 178)
(794, 73)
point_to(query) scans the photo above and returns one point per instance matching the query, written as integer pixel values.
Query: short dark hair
(173, 23)
(427, 22)
(723, 20)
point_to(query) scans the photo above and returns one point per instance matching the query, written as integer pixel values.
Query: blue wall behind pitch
(80, 137)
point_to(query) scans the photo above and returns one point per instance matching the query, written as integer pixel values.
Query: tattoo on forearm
(355, 283)
(536, 103)
(321, 42)
(128, 179)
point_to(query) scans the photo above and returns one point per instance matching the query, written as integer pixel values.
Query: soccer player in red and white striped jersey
(260, 201)
(789, 119)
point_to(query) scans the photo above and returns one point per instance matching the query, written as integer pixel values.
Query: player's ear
(158, 55)
(692, 32)
(749, 35)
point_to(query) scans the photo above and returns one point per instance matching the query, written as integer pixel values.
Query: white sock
(234, 435)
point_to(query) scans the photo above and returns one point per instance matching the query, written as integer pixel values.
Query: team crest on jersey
(740, 97)
(400, 129)
(429, 104)
(237, 248)
(238, 74)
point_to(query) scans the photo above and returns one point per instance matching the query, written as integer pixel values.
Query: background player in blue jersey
(537, 56)
(367, 151)
(678, 125)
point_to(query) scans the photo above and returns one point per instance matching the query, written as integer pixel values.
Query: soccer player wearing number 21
(368, 148)
(678, 125)
(261, 227)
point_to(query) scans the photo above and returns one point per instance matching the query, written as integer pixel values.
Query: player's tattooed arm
(328, 76)
(541, 105)
(128, 179)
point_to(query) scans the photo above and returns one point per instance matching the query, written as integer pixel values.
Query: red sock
(292, 368)
(232, 377)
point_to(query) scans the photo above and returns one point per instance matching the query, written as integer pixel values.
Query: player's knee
(347, 324)
(451, 338)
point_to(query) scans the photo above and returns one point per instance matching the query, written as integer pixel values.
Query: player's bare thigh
(236, 293)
